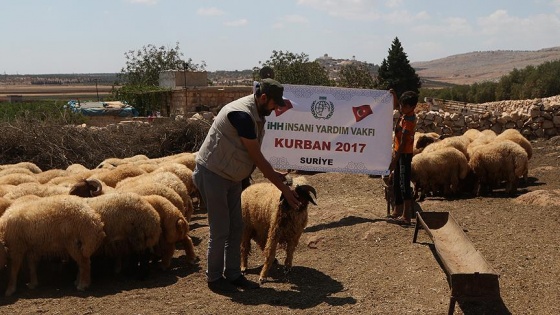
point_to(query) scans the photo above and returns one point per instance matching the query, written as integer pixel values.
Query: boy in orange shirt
(402, 158)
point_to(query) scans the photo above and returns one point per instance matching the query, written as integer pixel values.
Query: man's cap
(273, 89)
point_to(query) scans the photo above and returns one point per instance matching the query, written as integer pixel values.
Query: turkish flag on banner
(362, 112)
(281, 110)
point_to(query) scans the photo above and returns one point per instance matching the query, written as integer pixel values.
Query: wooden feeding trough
(469, 274)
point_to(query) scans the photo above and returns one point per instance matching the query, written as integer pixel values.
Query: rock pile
(534, 118)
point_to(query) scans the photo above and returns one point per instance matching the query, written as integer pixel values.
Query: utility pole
(96, 90)
(185, 65)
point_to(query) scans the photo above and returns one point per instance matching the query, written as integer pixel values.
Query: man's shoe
(245, 283)
(222, 286)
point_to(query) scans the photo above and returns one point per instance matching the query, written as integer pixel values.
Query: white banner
(328, 129)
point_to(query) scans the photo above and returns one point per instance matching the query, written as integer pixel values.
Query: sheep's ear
(182, 227)
(305, 190)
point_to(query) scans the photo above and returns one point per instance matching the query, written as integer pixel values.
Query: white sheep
(51, 226)
(496, 162)
(270, 221)
(438, 170)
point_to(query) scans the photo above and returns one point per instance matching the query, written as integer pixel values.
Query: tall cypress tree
(396, 72)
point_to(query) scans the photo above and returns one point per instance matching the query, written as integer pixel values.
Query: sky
(92, 36)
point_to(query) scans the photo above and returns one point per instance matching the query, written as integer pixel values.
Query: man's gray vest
(222, 151)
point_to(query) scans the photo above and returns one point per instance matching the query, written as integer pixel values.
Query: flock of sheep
(137, 209)
(131, 212)
(476, 162)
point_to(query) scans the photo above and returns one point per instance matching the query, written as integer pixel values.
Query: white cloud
(500, 28)
(452, 26)
(240, 22)
(500, 23)
(290, 20)
(347, 9)
(405, 17)
(144, 1)
(209, 12)
(295, 19)
(556, 5)
(393, 3)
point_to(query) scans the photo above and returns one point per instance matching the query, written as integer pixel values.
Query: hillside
(481, 66)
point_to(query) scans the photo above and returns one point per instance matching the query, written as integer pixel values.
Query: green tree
(141, 76)
(292, 68)
(356, 76)
(396, 72)
(143, 66)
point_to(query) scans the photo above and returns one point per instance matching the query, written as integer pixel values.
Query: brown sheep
(422, 140)
(26, 231)
(270, 221)
(440, 169)
(515, 136)
(496, 162)
(174, 227)
(131, 224)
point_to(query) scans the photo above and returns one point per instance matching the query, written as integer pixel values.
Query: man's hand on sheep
(291, 197)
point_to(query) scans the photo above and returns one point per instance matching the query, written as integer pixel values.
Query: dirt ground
(349, 260)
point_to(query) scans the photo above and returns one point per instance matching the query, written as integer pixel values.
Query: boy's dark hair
(409, 98)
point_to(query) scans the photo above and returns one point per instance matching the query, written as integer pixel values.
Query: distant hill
(480, 66)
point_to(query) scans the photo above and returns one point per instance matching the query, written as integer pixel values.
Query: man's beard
(263, 110)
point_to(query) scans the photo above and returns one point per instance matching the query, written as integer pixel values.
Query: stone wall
(186, 102)
(535, 118)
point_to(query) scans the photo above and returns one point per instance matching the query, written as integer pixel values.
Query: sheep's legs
(245, 249)
(167, 249)
(32, 263)
(15, 264)
(269, 255)
(83, 279)
(189, 249)
(290, 249)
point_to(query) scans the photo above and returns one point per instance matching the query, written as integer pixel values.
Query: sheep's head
(424, 141)
(87, 188)
(304, 192)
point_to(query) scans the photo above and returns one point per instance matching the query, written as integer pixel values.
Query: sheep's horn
(304, 190)
(96, 184)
